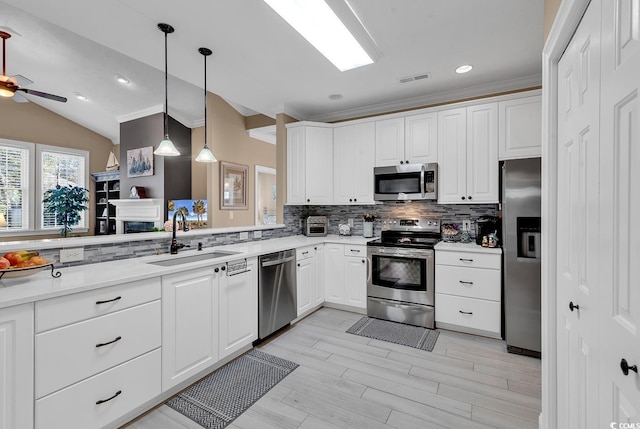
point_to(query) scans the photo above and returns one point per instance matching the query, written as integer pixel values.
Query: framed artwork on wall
(140, 162)
(233, 186)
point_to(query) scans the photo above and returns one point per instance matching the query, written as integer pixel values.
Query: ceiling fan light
(6, 93)
(166, 148)
(206, 155)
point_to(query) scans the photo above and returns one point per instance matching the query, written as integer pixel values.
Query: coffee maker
(487, 225)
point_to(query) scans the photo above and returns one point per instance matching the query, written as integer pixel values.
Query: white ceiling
(259, 63)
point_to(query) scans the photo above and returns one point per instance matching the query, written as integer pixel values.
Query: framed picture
(140, 162)
(233, 186)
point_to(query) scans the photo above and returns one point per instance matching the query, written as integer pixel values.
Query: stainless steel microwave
(406, 182)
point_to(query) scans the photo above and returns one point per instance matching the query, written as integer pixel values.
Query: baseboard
(345, 307)
(466, 330)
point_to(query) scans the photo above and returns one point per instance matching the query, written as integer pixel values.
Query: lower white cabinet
(468, 289)
(238, 309)
(346, 275)
(309, 270)
(16, 367)
(317, 293)
(189, 323)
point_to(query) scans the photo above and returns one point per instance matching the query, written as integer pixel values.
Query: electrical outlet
(466, 225)
(230, 215)
(72, 255)
(257, 234)
(244, 235)
(350, 222)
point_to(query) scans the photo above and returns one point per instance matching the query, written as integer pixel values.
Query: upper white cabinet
(468, 155)
(310, 164)
(520, 128)
(407, 140)
(353, 162)
(16, 367)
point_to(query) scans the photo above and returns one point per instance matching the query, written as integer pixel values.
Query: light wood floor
(347, 381)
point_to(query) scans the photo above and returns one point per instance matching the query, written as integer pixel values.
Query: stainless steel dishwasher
(276, 291)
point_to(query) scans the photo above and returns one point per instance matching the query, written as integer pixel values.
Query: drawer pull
(465, 312)
(305, 253)
(355, 250)
(108, 300)
(465, 283)
(466, 260)
(110, 342)
(102, 401)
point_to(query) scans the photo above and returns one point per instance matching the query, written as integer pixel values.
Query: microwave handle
(422, 186)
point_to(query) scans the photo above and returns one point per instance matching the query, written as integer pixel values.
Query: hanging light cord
(166, 96)
(205, 100)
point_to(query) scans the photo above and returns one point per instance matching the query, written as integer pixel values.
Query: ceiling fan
(9, 86)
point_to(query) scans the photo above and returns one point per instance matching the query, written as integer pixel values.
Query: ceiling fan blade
(43, 95)
(19, 98)
(20, 80)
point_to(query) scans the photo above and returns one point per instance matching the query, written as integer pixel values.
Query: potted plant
(367, 225)
(66, 203)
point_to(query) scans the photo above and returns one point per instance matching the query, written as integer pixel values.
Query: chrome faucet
(174, 243)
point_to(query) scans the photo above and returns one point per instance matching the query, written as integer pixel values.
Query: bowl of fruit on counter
(22, 263)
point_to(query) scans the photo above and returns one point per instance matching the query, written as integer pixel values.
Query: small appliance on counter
(487, 225)
(315, 226)
(344, 229)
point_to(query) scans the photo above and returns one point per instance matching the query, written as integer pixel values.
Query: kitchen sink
(179, 260)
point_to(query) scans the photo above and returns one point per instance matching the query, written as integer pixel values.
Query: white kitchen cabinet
(468, 155)
(353, 162)
(305, 278)
(16, 367)
(309, 164)
(334, 273)
(390, 142)
(421, 138)
(520, 132)
(355, 281)
(468, 289)
(317, 294)
(346, 275)
(189, 324)
(238, 308)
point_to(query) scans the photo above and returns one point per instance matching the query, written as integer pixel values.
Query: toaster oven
(315, 226)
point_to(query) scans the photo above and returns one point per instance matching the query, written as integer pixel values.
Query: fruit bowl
(14, 273)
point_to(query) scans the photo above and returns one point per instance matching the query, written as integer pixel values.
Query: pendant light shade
(205, 154)
(166, 147)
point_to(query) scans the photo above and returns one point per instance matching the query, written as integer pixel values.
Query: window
(27, 170)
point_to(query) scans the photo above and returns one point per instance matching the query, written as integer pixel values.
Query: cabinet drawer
(355, 250)
(75, 407)
(469, 259)
(305, 252)
(56, 312)
(454, 310)
(468, 282)
(70, 354)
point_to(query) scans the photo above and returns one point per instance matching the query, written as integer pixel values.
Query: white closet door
(578, 225)
(620, 210)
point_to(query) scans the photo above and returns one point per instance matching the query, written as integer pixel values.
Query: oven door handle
(369, 271)
(422, 186)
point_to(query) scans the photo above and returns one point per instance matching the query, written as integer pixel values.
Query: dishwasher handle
(278, 261)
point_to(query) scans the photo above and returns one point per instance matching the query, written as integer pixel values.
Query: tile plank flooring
(348, 381)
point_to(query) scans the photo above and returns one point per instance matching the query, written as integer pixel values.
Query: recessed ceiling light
(319, 24)
(335, 97)
(464, 69)
(80, 96)
(123, 80)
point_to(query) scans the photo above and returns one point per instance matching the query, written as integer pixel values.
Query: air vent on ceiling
(415, 77)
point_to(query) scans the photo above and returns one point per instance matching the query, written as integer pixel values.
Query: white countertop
(467, 247)
(93, 276)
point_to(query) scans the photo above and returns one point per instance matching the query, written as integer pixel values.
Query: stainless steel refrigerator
(522, 269)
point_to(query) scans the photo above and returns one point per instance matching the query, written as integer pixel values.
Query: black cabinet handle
(355, 250)
(401, 162)
(308, 200)
(465, 312)
(465, 283)
(305, 253)
(573, 306)
(406, 162)
(298, 264)
(350, 200)
(216, 270)
(315, 248)
(108, 300)
(469, 197)
(223, 268)
(355, 200)
(102, 401)
(110, 342)
(363, 261)
(624, 366)
(466, 260)
(463, 198)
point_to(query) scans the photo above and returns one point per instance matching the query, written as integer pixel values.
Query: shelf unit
(107, 189)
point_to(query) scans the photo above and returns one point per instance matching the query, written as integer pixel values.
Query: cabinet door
(421, 139)
(452, 156)
(390, 142)
(305, 284)
(296, 165)
(482, 154)
(16, 367)
(319, 165)
(317, 293)
(355, 281)
(238, 309)
(189, 306)
(520, 132)
(334, 273)
(344, 156)
(363, 163)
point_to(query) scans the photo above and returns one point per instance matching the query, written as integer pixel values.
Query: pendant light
(166, 147)
(205, 154)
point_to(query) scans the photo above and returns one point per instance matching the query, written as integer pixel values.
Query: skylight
(317, 23)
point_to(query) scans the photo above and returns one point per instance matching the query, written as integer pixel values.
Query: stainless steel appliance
(276, 291)
(401, 277)
(315, 226)
(406, 182)
(522, 268)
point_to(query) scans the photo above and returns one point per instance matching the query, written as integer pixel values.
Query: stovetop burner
(409, 233)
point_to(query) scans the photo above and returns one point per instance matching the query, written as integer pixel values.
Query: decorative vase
(367, 229)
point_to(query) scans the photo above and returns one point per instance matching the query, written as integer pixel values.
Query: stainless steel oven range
(400, 281)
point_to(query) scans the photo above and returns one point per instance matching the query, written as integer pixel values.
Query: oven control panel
(411, 224)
